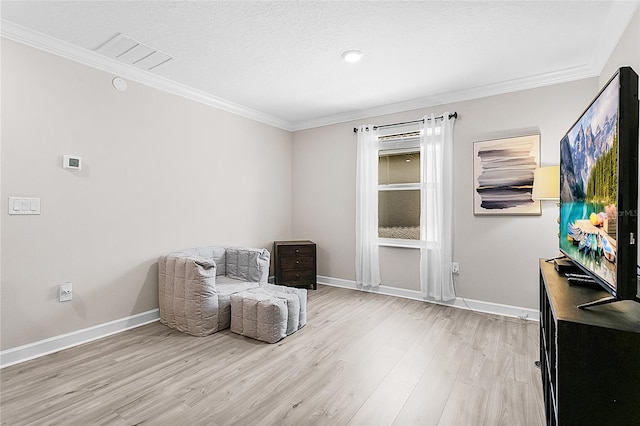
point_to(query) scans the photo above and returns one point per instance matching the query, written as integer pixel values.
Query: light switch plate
(22, 205)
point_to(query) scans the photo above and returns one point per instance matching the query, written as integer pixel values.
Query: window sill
(392, 242)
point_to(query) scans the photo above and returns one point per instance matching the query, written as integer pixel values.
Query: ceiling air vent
(130, 51)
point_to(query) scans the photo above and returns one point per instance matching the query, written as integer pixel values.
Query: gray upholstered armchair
(195, 285)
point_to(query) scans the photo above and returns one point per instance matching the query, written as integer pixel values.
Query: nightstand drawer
(297, 263)
(287, 251)
(298, 277)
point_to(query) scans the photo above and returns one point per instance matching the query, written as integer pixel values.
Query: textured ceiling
(282, 59)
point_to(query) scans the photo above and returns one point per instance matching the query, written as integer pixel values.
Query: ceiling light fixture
(352, 56)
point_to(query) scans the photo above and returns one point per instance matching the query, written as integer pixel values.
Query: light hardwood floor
(362, 359)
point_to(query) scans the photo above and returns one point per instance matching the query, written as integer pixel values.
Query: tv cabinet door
(590, 359)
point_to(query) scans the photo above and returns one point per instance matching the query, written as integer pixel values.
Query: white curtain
(367, 257)
(436, 147)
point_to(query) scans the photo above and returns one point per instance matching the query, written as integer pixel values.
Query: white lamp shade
(546, 183)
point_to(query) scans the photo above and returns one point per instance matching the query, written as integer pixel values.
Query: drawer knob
(297, 262)
(297, 250)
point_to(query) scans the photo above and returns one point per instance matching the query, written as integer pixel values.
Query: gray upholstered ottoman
(269, 312)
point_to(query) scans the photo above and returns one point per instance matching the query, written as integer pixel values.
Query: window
(399, 188)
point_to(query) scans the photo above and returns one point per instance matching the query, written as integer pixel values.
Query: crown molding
(620, 12)
(532, 82)
(619, 18)
(18, 33)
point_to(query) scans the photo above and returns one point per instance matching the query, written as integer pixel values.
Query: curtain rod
(454, 115)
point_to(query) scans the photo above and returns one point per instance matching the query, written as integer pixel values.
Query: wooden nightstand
(295, 263)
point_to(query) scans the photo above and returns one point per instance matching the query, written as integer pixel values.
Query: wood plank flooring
(362, 359)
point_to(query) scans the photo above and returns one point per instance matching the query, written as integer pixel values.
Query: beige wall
(626, 53)
(160, 173)
(497, 255)
(163, 173)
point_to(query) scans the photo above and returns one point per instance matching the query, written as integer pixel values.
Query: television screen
(589, 183)
(598, 185)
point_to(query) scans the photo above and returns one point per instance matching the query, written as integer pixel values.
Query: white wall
(160, 173)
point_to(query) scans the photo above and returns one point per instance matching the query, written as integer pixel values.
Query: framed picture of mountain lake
(503, 176)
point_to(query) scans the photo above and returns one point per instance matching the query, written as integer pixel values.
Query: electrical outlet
(455, 268)
(66, 292)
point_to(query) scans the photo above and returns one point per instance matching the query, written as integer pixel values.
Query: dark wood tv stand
(589, 359)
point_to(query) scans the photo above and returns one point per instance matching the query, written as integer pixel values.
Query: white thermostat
(72, 162)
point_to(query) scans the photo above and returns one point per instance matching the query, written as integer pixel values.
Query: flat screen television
(599, 189)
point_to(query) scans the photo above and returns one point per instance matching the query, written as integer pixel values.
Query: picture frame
(503, 176)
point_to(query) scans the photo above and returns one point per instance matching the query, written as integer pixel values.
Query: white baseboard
(54, 344)
(458, 302)
(57, 343)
